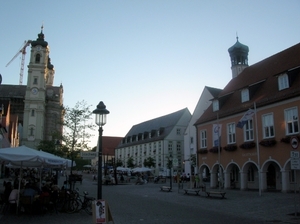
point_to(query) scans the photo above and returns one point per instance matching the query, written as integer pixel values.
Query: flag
(247, 116)
(217, 128)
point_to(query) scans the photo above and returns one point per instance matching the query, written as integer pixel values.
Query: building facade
(243, 138)
(190, 136)
(160, 139)
(37, 107)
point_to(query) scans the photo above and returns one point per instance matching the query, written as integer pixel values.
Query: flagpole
(257, 148)
(219, 154)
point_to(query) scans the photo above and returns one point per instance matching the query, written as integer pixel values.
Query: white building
(190, 137)
(160, 139)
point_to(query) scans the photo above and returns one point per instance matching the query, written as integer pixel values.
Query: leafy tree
(169, 162)
(149, 162)
(76, 121)
(50, 147)
(119, 163)
(193, 160)
(130, 162)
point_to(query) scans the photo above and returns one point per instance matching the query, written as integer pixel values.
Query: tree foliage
(149, 162)
(77, 121)
(119, 163)
(130, 162)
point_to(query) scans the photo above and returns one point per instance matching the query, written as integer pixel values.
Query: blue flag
(247, 116)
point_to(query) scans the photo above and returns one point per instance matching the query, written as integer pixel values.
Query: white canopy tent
(23, 156)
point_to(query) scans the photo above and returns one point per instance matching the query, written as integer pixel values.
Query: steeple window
(37, 58)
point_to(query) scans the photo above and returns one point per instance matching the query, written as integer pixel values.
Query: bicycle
(66, 202)
(86, 203)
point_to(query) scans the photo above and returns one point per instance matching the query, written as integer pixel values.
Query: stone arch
(216, 177)
(232, 176)
(271, 178)
(204, 172)
(249, 176)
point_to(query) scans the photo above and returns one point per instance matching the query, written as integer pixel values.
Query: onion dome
(40, 40)
(239, 53)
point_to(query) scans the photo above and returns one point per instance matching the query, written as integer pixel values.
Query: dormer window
(245, 95)
(283, 81)
(215, 105)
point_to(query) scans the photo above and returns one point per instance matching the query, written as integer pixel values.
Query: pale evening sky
(143, 58)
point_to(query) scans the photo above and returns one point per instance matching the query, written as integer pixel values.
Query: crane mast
(23, 51)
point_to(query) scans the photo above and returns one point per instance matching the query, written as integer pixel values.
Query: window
(178, 146)
(178, 131)
(31, 131)
(245, 95)
(291, 121)
(231, 133)
(283, 81)
(215, 105)
(268, 125)
(37, 58)
(191, 140)
(248, 130)
(203, 139)
(35, 80)
(32, 113)
(170, 146)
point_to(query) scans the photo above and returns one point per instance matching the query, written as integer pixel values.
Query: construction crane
(23, 51)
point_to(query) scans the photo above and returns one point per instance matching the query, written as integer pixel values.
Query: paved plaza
(145, 204)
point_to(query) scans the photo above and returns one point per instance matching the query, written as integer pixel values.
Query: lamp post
(170, 165)
(100, 115)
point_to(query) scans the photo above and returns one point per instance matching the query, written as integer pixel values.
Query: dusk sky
(143, 59)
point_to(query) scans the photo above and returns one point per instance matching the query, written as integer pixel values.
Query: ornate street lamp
(100, 114)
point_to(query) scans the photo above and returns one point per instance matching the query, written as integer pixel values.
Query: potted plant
(230, 148)
(248, 145)
(268, 142)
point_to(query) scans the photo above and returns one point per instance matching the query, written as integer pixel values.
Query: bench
(192, 190)
(221, 193)
(165, 188)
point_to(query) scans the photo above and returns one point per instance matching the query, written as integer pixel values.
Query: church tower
(39, 93)
(239, 57)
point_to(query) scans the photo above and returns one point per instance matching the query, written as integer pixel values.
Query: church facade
(33, 112)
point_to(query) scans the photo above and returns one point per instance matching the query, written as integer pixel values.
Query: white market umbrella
(123, 169)
(141, 169)
(23, 156)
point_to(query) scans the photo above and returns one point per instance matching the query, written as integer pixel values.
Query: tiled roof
(165, 124)
(109, 144)
(12, 91)
(261, 80)
(213, 91)
(19, 91)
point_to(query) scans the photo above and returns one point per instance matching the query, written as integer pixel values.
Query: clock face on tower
(34, 91)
